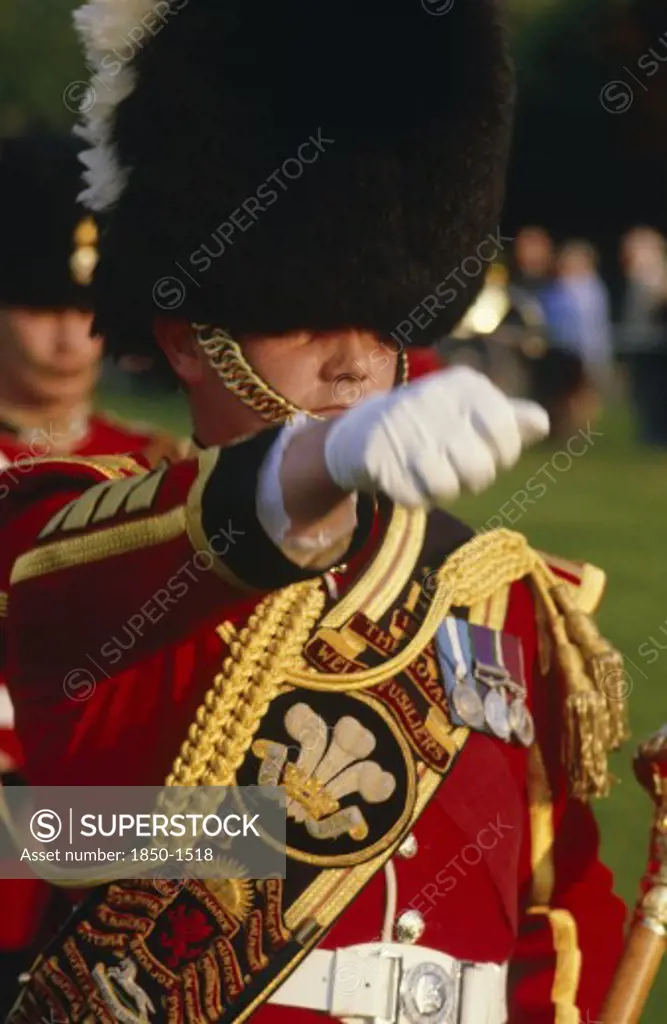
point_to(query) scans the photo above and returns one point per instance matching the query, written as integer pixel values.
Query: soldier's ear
(177, 341)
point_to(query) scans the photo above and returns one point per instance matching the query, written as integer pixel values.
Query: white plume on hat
(104, 28)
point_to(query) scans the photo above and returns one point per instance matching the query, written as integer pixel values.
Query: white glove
(422, 444)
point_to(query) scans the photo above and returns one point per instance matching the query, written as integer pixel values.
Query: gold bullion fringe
(596, 717)
(584, 746)
(604, 665)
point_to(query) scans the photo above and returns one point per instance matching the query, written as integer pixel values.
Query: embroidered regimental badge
(348, 771)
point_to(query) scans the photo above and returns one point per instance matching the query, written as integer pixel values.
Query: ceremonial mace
(647, 940)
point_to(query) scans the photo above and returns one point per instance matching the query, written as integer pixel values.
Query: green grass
(610, 509)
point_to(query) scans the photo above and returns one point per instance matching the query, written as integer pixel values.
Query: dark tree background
(590, 155)
(39, 56)
(579, 168)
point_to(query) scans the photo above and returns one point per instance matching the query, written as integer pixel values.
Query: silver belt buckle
(429, 994)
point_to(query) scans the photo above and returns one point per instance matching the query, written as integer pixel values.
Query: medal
(520, 719)
(453, 645)
(496, 713)
(468, 703)
(521, 722)
(491, 673)
(466, 699)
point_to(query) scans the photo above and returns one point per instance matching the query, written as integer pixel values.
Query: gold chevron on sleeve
(143, 495)
(77, 513)
(82, 509)
(104, 501)
(53, 524)
(112, 500)
(99, 545)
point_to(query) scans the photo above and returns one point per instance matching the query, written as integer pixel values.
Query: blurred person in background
(578, 316)
(534, 258)
(578, 310)
(558, 377)
(642, 330)
(555, 374)
(49, 366)
(505, 334)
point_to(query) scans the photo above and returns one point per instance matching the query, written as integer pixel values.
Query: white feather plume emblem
(112, 32)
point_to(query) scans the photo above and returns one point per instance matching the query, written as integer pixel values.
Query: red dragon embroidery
(189, 932)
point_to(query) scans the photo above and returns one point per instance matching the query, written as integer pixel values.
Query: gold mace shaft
(635, 976)
(647, 939)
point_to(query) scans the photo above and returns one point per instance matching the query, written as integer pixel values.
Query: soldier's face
(48, 355)
(325, 373)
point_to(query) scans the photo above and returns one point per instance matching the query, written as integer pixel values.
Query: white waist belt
(397, 984)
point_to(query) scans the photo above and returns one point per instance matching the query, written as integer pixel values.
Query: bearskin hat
(277, 166)
(48, 240)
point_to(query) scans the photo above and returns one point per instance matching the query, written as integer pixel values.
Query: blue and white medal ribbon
(454, 646)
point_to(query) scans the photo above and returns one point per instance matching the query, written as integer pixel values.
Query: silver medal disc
(496, 712)
(521, 723)
(468, 705)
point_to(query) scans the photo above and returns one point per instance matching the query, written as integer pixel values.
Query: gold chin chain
(238, 376)
(225, 356)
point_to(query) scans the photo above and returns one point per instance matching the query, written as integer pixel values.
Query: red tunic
(104, 436)
(23, 903)
(507, 864)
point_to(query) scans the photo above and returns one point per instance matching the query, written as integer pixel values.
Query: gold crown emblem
(309, 792)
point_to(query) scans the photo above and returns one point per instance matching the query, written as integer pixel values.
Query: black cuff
(229, 527)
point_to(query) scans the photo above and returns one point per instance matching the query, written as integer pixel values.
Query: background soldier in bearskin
(49, 361)
(285, 183)
(49, 365)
